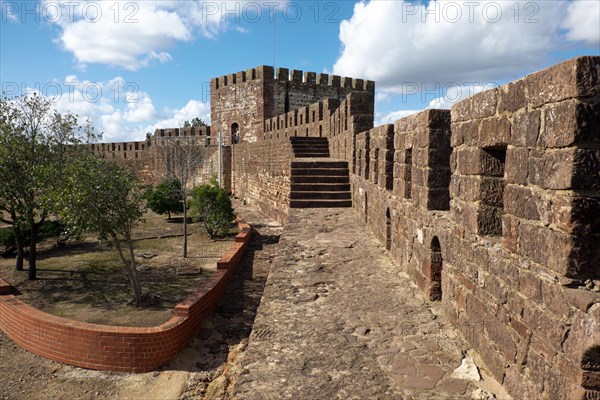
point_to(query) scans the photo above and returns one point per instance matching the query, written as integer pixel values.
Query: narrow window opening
(376, 167)
(388, 230)
(435, 270)
(408, 173)
(492, 192)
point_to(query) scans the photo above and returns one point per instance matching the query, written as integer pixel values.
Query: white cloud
(455, 94)
(176, 117)
(402, 43)
(118, 109)
(389, 118)
(132, 34)
(583, 22)
(451, 96)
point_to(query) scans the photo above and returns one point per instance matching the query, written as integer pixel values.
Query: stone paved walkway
(339, 321)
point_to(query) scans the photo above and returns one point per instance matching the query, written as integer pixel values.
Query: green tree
(198, 122)
(211, 205)
(166, 197)
(194, 123)
(35, 141)
(106, 198)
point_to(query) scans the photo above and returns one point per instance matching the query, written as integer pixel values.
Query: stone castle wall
(152, 158)
(509, 259)
(491, 207)
(261, 175)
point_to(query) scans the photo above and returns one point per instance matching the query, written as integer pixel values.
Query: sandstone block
(517, 165)
(578, 77)
(576, 214)
(489, 220)
(461, 111)
(467, 131)
(520, 202)
(569, 123)
(501, 337)
(569, 168)
(526, 128)
(484, 104)
(494, 132)
(511, 96)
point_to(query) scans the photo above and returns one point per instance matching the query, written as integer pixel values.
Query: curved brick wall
(117, 348)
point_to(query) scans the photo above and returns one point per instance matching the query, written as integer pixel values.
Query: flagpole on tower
(273, 17)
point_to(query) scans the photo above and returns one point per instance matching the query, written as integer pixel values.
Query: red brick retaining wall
(117, 348)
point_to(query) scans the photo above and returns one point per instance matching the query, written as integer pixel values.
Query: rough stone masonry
(491, 208)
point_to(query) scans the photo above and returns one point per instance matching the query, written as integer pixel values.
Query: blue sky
(135, 66)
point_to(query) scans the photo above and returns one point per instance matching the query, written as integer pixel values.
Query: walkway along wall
(510, 258)
(117, 348)
(492, 208)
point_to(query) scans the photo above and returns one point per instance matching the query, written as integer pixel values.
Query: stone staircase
(317, 181)
(310, 147)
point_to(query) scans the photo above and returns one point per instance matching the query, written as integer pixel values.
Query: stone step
(323, 146)
(311, 155)
(308, 139)
(310, 149)
(320, 203)
(318, 179)
(320, 187)
(319, 164)
(320, 195)
(320, 171)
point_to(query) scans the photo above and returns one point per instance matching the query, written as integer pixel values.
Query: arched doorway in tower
(388, 230)
(435, 270)
(235, 133)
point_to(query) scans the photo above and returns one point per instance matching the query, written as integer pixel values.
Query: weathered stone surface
(569, 123)
(495, 132)
(334, 343)
(573, 78)
(517, 165)
(511, 96)
(520, 202)
(484, 104)
(526, 128)
(561, 169)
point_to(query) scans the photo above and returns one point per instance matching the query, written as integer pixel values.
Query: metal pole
(220, 158)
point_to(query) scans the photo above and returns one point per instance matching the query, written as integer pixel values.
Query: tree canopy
(35, 142)
(211, 204)
(166, 197)
(106, 198)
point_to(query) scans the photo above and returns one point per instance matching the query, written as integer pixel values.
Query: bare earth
(86, 280)
(25, 376)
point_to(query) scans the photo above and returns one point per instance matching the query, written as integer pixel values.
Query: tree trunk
(20, 249)
(130, 269)
(185, 228)
(32, 272)
(134, 273)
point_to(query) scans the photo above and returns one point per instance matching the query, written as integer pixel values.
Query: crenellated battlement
(281, 74)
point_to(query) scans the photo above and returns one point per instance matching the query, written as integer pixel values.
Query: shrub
(165, 198)
(211, 205)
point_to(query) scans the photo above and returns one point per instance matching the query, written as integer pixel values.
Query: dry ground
(86, 280)
(196, 373)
